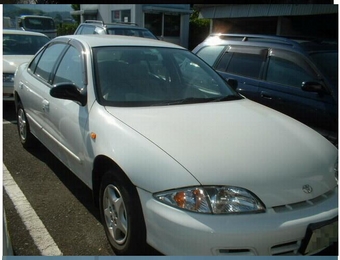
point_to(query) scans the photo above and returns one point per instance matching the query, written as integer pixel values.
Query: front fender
(146, 165)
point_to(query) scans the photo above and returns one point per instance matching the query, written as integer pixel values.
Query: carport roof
(263, 10)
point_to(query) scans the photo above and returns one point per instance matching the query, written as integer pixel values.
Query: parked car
(296, 77)
(174, 156)
(18, 47)
(99, 27)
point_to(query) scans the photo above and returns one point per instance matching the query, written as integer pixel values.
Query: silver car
(18, 47)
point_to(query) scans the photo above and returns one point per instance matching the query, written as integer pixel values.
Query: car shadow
(72, 183)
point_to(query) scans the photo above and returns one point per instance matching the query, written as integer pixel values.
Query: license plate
(319, 236)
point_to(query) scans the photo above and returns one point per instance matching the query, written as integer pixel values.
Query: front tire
(122, 215)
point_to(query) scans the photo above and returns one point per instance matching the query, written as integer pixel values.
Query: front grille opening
(304, 204)
(235, 252)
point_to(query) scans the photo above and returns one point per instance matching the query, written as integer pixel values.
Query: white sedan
(175, 157)
(18, 47)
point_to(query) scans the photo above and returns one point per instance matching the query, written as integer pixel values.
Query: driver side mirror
(69, 91)
(232, 83)
(311, 86)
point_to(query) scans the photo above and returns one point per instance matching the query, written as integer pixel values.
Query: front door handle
(45, 105)
(265, 95)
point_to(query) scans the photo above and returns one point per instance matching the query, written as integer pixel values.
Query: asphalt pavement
(62, 202)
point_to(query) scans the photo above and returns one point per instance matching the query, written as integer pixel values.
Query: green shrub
(66, 29)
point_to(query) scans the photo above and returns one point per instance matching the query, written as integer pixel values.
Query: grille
(304, 204)
(234, 252)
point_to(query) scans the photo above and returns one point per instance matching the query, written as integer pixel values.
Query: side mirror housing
(232, 83)
(69, 91)
(311, 86)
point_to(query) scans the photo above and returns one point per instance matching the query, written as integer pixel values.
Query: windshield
(17, 44)
(327, 62)
(142, 76)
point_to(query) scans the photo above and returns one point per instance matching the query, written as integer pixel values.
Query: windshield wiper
(190, 100)
(193, 100)
(227, 98)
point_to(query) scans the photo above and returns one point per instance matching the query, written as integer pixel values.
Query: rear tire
(26, 138)
(122, 215)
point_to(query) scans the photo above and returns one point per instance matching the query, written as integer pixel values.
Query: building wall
(166, 17)
(303, 20)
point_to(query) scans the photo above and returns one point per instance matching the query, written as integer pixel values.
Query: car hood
(240, 143)
(11, 62)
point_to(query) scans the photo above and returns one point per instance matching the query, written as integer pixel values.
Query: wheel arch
(101, 165)
(17, 99)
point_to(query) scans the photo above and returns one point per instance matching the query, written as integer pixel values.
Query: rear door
(36, 87)
(281, 90)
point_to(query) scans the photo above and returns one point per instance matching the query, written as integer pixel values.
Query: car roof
(21, 32)
(99, 23)
(33, 16)
(96, 40)
(296, 43)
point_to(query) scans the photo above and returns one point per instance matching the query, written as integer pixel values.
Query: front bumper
(176, 232)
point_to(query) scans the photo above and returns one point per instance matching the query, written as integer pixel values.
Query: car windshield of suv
(17, 44)
(146, 76)
(131, 32)
(327, 62)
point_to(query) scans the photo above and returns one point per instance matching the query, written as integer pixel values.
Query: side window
(70, 69)
(47, 61)
(224, 61)
(286, 72)
(245, 64)
(34, 62)
(210, 53)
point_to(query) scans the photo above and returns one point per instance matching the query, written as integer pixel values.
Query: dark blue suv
(296, 77)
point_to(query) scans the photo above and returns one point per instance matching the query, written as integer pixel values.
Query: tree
(198, 29)
(58, 19)
(76, 7)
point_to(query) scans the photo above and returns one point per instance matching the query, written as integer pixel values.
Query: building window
(172, 25)
(153, 22)
(121, 16)
(163, 24)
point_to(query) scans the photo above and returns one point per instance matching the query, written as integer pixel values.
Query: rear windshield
(131, 32)
(38, 23)
(16, 44)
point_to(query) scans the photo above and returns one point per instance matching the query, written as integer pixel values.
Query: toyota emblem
(307, 188)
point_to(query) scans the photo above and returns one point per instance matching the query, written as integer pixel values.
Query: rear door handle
(45, 105)
(266, 95)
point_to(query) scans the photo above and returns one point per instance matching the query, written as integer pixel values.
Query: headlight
(8, 77)
(213, 199)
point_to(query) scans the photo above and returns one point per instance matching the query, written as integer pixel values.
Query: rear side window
(47, 61)
(210, 53)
